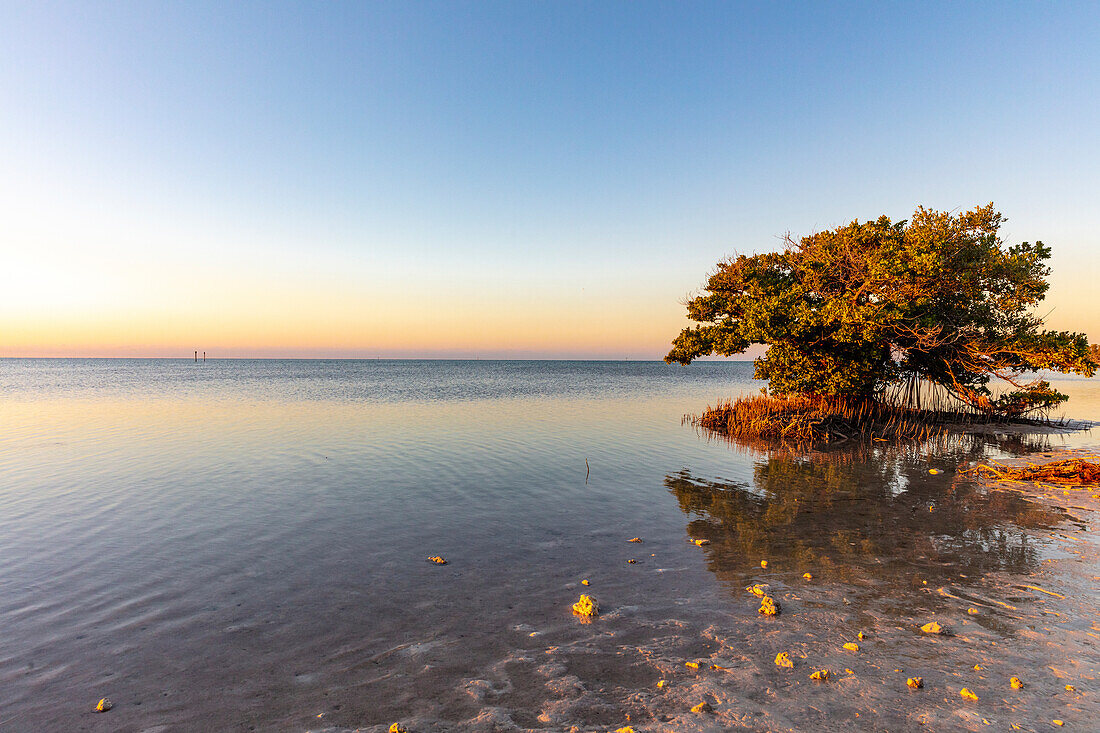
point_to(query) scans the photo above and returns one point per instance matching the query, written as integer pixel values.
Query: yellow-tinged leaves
(877, 283)
(932, 628)
(1016, 683)
(967, 694)
(703, 707)
(915, 683)
(398, 728)
(782, 659)
(851, 646)
(808, 576)
(437, 559)
(693, 665)
(821, 674)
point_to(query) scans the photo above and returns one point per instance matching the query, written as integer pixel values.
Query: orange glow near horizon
(308, 321)
(334, 319)
(106, 291)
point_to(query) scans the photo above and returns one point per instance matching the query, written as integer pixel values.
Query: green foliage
(854, 310)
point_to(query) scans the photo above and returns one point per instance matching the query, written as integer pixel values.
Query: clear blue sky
(503, 179)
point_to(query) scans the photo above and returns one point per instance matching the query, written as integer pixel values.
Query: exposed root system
(809, 419)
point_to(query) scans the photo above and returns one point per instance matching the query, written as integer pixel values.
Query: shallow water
(242, 546)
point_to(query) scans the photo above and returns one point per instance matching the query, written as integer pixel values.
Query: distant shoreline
(359, 358)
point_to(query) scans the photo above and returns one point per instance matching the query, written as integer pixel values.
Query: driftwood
(1074, 471)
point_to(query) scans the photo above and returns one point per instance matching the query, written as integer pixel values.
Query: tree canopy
(854, 310)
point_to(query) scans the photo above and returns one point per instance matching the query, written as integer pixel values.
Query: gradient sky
(510, 179)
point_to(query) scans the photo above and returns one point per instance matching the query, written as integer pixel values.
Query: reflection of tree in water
(860, 515)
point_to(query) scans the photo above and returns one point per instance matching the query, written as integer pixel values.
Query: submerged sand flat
(246, 548)
(1011, 581)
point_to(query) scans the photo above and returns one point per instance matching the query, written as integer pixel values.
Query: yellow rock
(437, 559)
(635, 539)
(1016, 683)
(965, 692)
(852, 646)
(1071, 688)
(808, 576)
(763, 563)
(703, 707)
(1058, 723)
(821, 674)
(782, 659)
(103, 705)
(585, 582)
(693, 665)
(661, 683)
(398, 728)
(587, 606)
(932, 628)
(769, 606)
(915, 683)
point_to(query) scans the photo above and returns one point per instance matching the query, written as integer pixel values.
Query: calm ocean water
(240, 545)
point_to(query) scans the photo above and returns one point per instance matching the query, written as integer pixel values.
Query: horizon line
(348, 358)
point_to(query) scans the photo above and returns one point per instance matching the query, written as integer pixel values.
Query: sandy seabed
(1042, 628)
